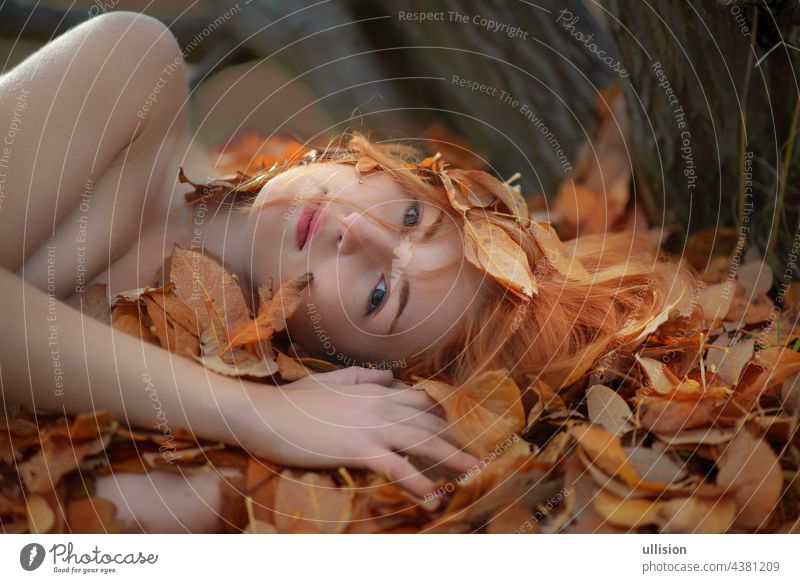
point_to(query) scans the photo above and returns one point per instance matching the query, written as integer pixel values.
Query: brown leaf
(209, 290)
(234, 362)
(483, 412)
(311, 503)
(728, 360)
(291, 369)
(669, 416)
(489, 248)
(608, 409)
(755, 277)
(481, 189)
(677, 515)
(41, 517)
(556, 253)
(126, 318)
(93, 516)
(750, 471)
(606, 452)
(715, 302)
(273, 315)
(170, 325)
(56, 458)
(660, 377)
(513, 518)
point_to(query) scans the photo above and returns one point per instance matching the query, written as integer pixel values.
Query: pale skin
(90, 195)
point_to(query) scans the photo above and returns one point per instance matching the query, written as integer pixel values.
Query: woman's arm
(60, 360)
(56, 359)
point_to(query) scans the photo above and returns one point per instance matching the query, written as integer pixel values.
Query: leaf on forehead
(272, 315)
(481, 189)
(489, 248)
(472, 192)
(209, 290)
(483, 412)
(213, 189)
(435, 163)
(457, 199)
(556, 253)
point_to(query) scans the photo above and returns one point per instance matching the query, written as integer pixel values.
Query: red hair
(559, 333)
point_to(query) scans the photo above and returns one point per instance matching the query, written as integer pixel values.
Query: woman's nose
(359, 232)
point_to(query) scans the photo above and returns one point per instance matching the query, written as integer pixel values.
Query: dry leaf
(662, 380)
(728, 360)
(755, 277)
(483, 412)
(715, 301)
(556, 253)
(210, 291)
(311, 503)
(489, 248)
(751, 473)
(273, 315)
(291, 369)
(608, 409)
(93, 515)
(41, 517)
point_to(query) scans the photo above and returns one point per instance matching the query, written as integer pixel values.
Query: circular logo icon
(31, 556)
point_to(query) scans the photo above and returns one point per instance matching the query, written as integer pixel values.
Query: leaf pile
(693, 431)
(691, 427)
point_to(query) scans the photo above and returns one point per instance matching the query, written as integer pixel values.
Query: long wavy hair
(557, 335)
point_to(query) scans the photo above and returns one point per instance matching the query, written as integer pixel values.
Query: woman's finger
(415, 398)
(356, 375)
(425, 420)
(422, 443)
(399, 470)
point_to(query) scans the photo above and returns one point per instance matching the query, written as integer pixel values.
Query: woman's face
(379, 294)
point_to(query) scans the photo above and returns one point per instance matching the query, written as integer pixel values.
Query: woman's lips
(308, 222)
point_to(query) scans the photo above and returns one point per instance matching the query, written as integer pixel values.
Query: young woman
(91, 195)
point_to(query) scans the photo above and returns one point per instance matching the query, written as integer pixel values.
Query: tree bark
(718, 152)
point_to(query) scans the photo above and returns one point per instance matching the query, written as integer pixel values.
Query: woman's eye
(376, 297)
(411, 217)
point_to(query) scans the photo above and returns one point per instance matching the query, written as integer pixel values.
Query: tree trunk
(374, 68)
(717, 151)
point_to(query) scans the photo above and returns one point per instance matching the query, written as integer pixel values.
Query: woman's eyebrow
(405, 290)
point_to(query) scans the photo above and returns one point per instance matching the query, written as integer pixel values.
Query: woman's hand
(351, 417)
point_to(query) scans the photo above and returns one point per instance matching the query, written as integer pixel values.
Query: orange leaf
(483, 412)
(489, 248)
